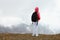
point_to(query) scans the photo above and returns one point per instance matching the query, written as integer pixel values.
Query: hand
(32, 22)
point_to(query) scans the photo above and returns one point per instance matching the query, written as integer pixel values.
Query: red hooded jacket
(38, 14)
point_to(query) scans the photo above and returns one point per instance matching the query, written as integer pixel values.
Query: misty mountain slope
(4, 29)
(22, 28)
(43, 29)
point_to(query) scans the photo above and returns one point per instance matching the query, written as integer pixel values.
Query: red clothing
(36, 9)
(38, 14)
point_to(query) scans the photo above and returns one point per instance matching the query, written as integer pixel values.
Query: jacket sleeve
(38, 16)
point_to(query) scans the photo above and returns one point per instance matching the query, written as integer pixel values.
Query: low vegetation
(28, 37)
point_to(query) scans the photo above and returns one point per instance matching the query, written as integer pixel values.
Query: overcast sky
(18, 11)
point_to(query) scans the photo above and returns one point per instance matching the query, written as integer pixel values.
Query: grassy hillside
(28, 37)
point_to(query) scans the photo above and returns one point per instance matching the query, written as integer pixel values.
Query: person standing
(35, 19)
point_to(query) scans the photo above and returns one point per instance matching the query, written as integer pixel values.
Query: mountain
(24, 28)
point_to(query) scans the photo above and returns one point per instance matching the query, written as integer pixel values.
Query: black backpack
(34, 17)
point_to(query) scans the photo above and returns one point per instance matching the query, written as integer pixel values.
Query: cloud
(9, 20)
(49, 9)
(24, 28)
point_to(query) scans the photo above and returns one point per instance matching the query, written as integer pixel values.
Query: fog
(24, 28)
(14, 12)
